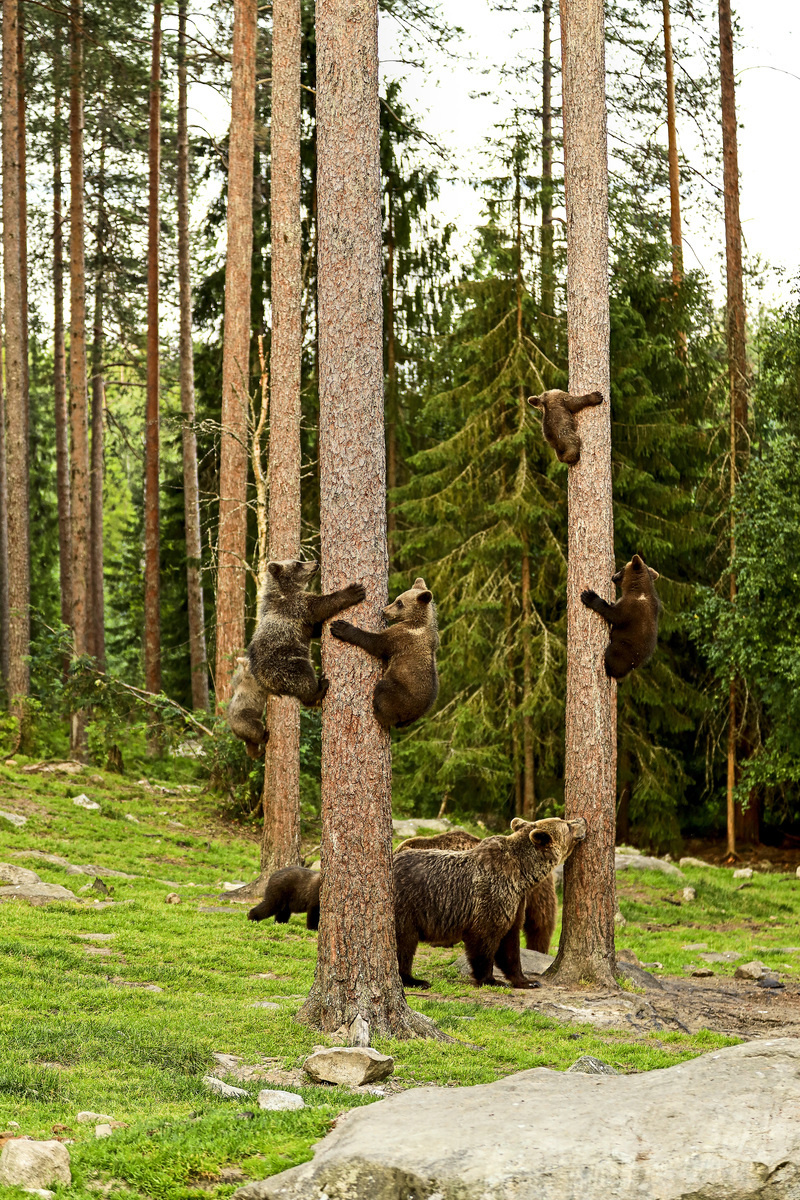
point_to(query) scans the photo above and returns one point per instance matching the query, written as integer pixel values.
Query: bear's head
(554, 838)
(291, 575)
(414, 607)
(635, 576)
(554, 395)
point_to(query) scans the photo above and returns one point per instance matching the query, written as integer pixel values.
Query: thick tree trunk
(391, 377)
(16, 408)
(97, 641)
(280, 846)
(191, 489)
(548, 263)
(3, 541)
(529, 789)
(357, 971)
(232, 545)
(676, 237)
(60, 363)
(586, 951)
(23, 217)
(152, 588)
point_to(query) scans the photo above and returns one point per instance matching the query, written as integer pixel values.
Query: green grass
(73, 1036)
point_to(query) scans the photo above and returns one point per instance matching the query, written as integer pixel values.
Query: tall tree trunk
(548, 262)
(60, 362)
(23, 216)
(152, 588)
(280, 846)
(528, 789)
(97, 641)
(357, 971)
(191, 489)
(16, 408)
(232, 545)
(78, 396)
(3, 540)
(586, 951)
(676, 237)
(391, 374)
(737, 356)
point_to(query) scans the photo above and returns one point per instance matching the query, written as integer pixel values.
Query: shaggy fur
(246, 710)
(477, 896)
(633, 620)
(410, 683)
(558, 420)
(289, 616)
(290, 890)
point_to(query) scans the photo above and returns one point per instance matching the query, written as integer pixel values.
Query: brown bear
(410, 684)
(246, 710)
(476, 896)
(558, 420)
(540, 904)
(290, 890)
(289, 616)
(633, 619)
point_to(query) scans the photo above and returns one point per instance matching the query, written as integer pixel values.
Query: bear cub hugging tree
(558, 420)
(633, 619)
(246, 710)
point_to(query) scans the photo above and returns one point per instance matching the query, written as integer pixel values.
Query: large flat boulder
(36, 893)
(723, 1125)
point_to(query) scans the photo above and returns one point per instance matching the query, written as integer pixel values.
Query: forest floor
(117, 1004)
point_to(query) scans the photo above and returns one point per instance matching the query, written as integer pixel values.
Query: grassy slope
(139, 1056)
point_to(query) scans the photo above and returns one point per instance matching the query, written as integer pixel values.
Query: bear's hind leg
(480, 957)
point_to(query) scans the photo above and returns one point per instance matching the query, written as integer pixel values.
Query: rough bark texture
(586, 950)
(357, 956)
(60, 364)
(529, 785)
(674, 170)
(3, 541)
(23, 215)
(280, 846)
(391, 375)
(232, 545)
(152, 590)
(548, 265)
(191, 490)
(96, 631)
(16, 409)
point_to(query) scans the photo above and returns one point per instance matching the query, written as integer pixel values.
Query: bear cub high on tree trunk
(476, 896)
(558, 420)
(289, 616)
(633, 620)
(290, 890)
(410, 684)
(246, 710)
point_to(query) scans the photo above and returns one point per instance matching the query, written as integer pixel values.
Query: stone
(133, 820)
(70, 767)
(638, 977)
(232, 887)
(278, 1101)
(223, 1089)
(770, 981)
(37, 893)
(743, 873)
(644, 862)
(13, 819)
(619, 920)
(172, 898)
(689, 894)
(726, 1124)
(797, 872)
(750, 970)
(270, 1004)
(412, 825)
(695, 946)
(348, 1065)
(723, 956)
(93, 1118)
(702, 973)
(532, 962)
(29, 1164)
(102, 1130)
(83, 801)
(98, 872)
(693, 862)
(14, 876)
(586, 1065)
(628, 956)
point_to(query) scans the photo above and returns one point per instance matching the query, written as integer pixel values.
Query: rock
(348, 1065)
(270, 1004)
(223, 1089)
(586, 1065)
(644, 862)
(102, 1130)
(93, 1118)
(233, 887)
(619, 920)
(628, 956)
(622, 849)
(750, 970)
(770, 981)
(533, 963)
(172, 898)
(83, 801)
(278, 1101)
(693, 862)
(98, 872)
(13, 819)
(14, 876)
(743, 873)
(695, 946)
(37, 893)
(70, 767)
(689, 894)
(638, 977)
(725, 1124)
(797, 872)
(29, 1164)
(727, 956)
(133, 820)
(413, 825)
(702, 973)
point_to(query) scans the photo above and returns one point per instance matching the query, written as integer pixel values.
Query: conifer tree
(152, 604)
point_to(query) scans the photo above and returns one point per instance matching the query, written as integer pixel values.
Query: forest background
(474, 322)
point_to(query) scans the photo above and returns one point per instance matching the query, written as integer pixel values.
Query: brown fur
(290, 890)
(410, 684)
(633, 620)
(289, 617)
(558, 420)
(477, 896)
(246, 710)
(541, 903)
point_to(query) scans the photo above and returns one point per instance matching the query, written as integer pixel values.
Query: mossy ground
(75, 1035)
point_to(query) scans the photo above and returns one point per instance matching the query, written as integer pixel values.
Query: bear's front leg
(599, 605)
(373, 643)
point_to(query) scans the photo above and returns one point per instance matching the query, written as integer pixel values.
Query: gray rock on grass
(587, 1065)
(274, 1100)
(743, 873)
(37, 893)
(694, 862)
(223, 1089)
(92, 1118)
(350, 1066)
(83, 801)
(751, 970)
(14, 876)
(29, 1164)
(13, 819)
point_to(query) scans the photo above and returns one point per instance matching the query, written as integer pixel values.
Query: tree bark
(60, 361)
(232, 544)
(280, 845)
(391, 374)
(586, 951)
(191, 489)
(529, 786)
(548, 262)
(23, 217)
(3, 541)
(357, 969)
(16, 409)
(152, 589)
(97, 641)
(676, 237)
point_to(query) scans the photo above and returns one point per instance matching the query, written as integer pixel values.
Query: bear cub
(290, 890)
(477, 896)
(410, 683)
(289, 616)
(558, 420)
(246, 710)
(633, 620)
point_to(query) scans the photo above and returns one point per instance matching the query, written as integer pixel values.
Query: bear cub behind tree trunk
(633, 620)
(290, 890)
(246, 710)
(477, 896)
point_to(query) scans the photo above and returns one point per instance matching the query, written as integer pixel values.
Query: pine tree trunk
(548, 262)
(191, 489)
(529, 790)
(78, 396)
(3, 540)
(16, 408)
(357, 970)
(676, 237)
(152, 588)
(391, 376)
(23, 216)
(232, 545)
(586, 951)
(97, 641)
(60, 362)
(280, 845)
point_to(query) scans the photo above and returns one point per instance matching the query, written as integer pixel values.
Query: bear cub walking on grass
(633, 620)
(476, 896)
(289, 616)
(558, 420)
(290, 890)
(246, 710)
(410, 684)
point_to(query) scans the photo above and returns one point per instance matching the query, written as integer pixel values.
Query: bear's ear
(419, 583)
(535, 401)
(617, 576)
(274, 569)
(518, 823)
(653, 573)
(425, 597)
(541, 838)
